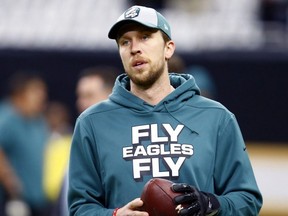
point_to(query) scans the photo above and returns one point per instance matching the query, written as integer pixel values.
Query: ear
(169, 49)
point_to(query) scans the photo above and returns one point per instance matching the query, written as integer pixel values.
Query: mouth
(138, 64)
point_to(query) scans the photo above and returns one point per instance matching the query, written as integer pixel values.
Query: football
(157, 197)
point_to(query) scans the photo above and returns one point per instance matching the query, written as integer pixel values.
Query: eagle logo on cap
(132, 12)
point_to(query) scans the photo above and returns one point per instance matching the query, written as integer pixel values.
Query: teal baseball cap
(144, 15)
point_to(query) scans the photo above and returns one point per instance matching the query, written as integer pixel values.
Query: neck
(154, 94)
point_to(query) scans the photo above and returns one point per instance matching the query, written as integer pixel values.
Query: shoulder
(8, 115)
(101, 108)
(211, 108)
(206, 103)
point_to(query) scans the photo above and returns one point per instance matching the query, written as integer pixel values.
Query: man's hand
(9, 179)
(132, 209)
(197, 203)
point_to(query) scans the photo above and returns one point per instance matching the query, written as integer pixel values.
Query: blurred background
(237, 50)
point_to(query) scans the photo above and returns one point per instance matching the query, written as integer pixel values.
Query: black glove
(198, 203)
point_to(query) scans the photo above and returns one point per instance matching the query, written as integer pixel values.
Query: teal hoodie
(121, 143)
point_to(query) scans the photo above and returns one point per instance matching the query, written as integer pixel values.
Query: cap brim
(115, 28)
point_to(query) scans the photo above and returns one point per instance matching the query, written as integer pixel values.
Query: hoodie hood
(185, 88)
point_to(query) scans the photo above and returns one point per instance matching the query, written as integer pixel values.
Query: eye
(124, 42)
(145, 37)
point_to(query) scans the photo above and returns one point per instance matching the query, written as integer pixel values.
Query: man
(94, 85)
(156, 124)
(57, 155)
(23, 137)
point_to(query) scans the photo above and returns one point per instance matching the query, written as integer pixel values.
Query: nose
(135, 47)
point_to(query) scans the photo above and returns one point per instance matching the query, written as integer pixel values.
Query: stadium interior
(243, 44)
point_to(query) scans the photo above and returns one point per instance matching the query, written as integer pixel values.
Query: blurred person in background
(176, 64)
(201, 75)
(23, 137)
(94, 85)
(204, 80)
(57, 152)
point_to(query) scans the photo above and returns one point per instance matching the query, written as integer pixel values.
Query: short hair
(20, 80)
(107, 73)
(165, 37)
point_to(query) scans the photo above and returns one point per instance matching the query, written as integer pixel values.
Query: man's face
(34, 97)
(90, 90)
(143, 53)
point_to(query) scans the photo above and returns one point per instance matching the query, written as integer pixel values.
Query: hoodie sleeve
(85, 194)
(236, 186)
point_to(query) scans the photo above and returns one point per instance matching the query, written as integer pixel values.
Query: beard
(146, 78)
